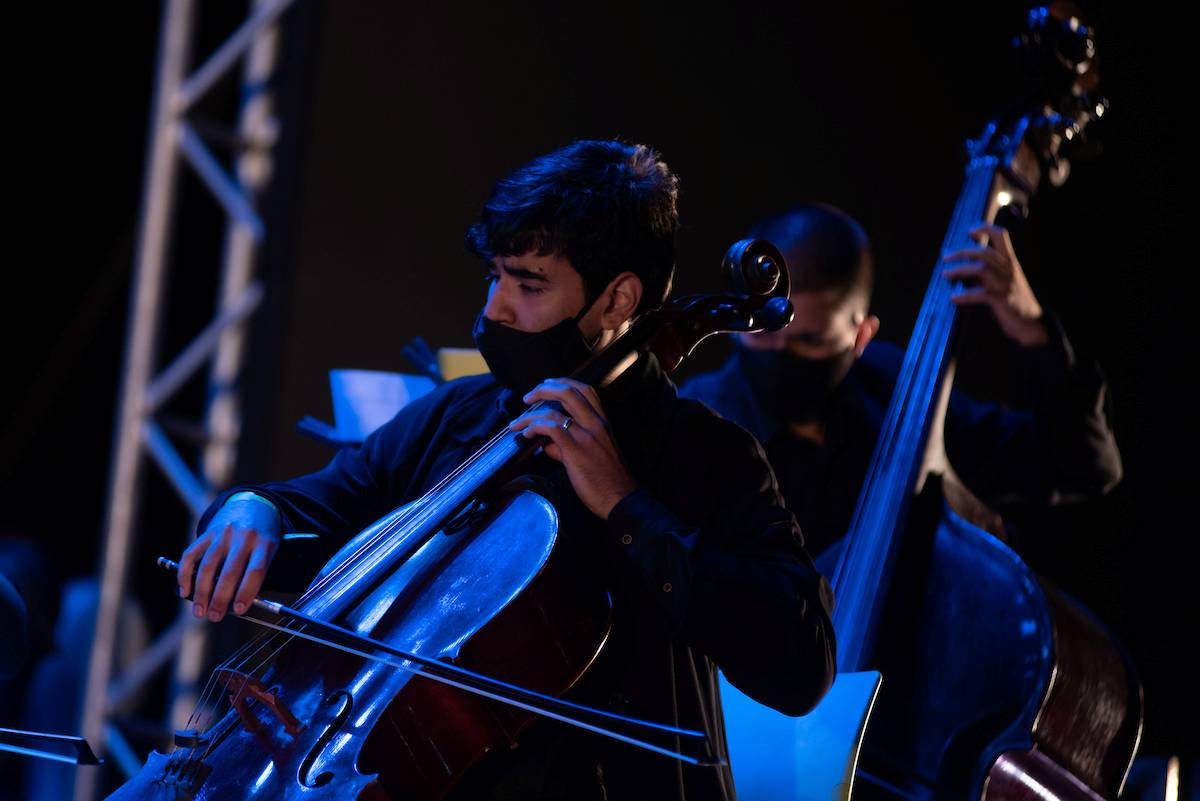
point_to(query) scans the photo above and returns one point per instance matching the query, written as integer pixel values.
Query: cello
(995, 685)
(437, 635)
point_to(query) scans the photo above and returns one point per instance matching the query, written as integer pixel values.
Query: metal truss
(174, 141)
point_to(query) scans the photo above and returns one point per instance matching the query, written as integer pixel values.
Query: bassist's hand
(993, 277)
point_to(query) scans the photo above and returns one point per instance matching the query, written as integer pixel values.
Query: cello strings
(403, 521)
(288, 637)
(209, 688)
(247, 652)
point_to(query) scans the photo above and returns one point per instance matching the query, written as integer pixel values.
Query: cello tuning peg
(775, 314)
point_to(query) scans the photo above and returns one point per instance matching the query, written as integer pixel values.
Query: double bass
(995, 685)
(441, 632)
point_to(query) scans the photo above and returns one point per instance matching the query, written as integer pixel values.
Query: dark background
(399, 118)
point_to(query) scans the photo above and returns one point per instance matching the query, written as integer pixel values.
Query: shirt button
(626, 539)
(667, 587)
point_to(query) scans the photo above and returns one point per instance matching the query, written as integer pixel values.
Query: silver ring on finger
(566, 423)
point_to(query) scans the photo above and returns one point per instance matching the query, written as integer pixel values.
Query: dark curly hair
(606, 206)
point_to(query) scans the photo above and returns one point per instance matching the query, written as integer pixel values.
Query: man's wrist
(1034, 332)
(615, 500)
(248, 495)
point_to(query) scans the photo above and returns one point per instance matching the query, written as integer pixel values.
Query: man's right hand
(230, 558)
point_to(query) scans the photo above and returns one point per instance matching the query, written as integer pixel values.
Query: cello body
(367, 730)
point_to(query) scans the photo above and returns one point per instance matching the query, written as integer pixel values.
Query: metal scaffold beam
(174, 142)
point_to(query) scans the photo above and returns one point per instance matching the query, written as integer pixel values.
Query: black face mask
(791, 387)
(520, 360)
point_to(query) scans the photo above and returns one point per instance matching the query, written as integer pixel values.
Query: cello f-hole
(306, 766)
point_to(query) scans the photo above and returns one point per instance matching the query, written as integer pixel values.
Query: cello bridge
(242, 687)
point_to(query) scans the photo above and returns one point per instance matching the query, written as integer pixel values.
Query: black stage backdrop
(399, 118)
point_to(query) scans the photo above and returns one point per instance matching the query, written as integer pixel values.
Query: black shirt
(1060, 449)
(708, 570)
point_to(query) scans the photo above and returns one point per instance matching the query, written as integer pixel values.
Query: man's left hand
(585, 446)
(993, 277)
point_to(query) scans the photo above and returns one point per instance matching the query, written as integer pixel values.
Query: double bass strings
(853, 577)
(919, 390)
(921, 393)
(888, 434)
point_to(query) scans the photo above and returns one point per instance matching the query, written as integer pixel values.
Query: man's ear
(619, 301)
(867, 330)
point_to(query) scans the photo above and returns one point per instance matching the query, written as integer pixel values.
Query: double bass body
(995, 681)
